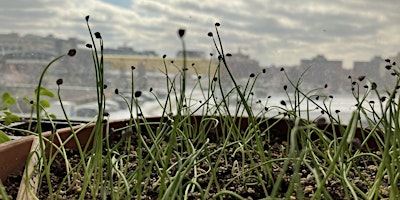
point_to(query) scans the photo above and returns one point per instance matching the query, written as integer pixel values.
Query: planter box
(14, 154)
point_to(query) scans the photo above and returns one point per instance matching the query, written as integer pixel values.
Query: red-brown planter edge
(13, 154)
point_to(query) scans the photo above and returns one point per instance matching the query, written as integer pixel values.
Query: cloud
(279, 32)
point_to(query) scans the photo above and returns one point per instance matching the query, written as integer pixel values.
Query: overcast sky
(270, 31)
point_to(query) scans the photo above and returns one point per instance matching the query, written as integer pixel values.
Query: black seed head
(138, 94)
(373, 86)
(105, 87)
(106, 114)
(393, 63)
(326, 85)
(349, 77)
(393, 74)
(387, 60)
(322, 112)
(217, 24)
(266, 108)
(215, 79)
(337, 111)
(31, 102)
(211, 54)
(282, 69)
(59, 81)
(87, 18)
(365, 86)
(383, 99)
(268, 97)
(97, 35)
(371, 102)
(317, 98)
(353, 83)
(151, 89)
(285, 87)
(210, 34)
(89, 46)
(181, 32)
(199, 77)
(330, 96)
(252, 75)
(228, 54)
(361, 78)
(283, 103)
(116, 91)
(133, 67)
(164, 56)
(388, 67)
(264, 71)
(72, 52)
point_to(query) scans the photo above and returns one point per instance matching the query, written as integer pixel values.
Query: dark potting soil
(228, 175)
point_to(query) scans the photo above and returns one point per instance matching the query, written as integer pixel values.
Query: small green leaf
(7, 99)
(10, 118)
(52, 116)
(3, 137)
(44, 103)
(45, 92)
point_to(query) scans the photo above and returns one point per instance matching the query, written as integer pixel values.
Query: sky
(270, 31)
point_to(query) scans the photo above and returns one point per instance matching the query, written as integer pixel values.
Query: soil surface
(229, 174)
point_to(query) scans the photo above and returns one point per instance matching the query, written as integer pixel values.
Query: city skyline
(272, 32)
(15, 43)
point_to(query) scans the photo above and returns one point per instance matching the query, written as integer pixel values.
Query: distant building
(129, 52)
(322, 71)
(14, 43)
(241, 65)
(191, 54)
(373, 69)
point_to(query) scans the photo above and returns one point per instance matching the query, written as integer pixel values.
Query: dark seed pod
(138, 94)
(361, 78)
(116, 91)
(59, 81)
(181, 32)
(72, 52)
(283, 103)
(97, 35)
(373, 86)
